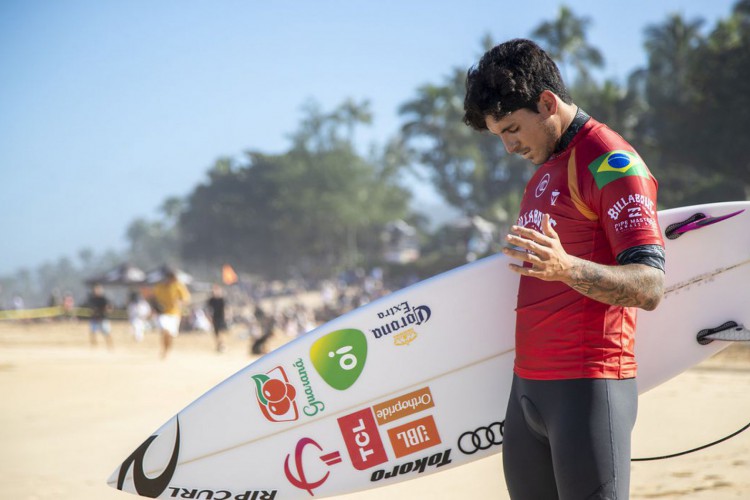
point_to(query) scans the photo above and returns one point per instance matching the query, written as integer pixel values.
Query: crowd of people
(257, 314)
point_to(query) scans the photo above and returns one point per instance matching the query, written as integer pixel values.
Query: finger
(529, 245)
(525, 271)
(547, 227)
(516, 254)
(517, 269)
(530, 234)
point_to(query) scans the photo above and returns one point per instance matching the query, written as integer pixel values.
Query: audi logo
(482, 438)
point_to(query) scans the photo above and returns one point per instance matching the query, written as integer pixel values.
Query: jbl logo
(414, 436)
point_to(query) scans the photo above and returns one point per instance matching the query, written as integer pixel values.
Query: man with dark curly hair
(591, 254)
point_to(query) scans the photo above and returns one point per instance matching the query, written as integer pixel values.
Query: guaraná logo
(615, 165)
(276, 395)
(339, 357)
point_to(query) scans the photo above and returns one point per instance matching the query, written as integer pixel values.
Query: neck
(567, 114)
(571, 129)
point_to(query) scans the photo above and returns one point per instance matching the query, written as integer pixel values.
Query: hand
(544, 252)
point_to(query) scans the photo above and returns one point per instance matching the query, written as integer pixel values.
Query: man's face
(525, 133)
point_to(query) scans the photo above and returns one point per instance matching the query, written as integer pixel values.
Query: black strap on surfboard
(730, 331)
(662, 457)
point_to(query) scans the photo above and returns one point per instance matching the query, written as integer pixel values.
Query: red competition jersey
(601, 199)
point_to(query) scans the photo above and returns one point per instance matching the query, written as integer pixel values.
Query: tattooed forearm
(632, 285)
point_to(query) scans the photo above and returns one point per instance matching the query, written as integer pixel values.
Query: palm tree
(470, 171)
(670, 47)
(565, 41)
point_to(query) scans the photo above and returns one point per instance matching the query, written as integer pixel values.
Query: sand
(70, 413)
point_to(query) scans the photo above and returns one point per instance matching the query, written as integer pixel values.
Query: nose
(510, 143)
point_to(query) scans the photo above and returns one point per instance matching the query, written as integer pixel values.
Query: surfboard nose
(132, 476)
(112, 481)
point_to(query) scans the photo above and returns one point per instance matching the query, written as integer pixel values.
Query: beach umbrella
(158, 274)
(124, 274)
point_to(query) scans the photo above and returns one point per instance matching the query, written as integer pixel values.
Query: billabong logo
(275, 396)
(299, 479)
(339, 357)
(144, 485)
(615, 165)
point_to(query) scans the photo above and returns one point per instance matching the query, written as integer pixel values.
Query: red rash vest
(601, 199)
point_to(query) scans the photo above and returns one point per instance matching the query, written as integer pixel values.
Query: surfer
(591, 253)
(170, 296)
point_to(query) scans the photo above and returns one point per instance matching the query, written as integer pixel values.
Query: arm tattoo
(632, 285)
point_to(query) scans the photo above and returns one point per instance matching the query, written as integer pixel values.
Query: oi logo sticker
(339, 357)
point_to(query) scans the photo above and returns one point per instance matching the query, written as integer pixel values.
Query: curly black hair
(509, 77)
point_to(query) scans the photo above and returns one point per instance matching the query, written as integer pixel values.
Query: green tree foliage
(37, 287)
(564, 39)
(719, 78)
(683, 113)
(154, 243)
(311, 211)
(669, 47)
(471, 171)
(696, 89)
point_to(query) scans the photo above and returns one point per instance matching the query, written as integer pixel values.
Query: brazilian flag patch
(616, 164)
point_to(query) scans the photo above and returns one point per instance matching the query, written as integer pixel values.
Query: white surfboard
(417, 382)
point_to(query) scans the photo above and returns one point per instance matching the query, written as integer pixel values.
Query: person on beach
(170, 296)
(591, 254)
(217, 308)
(100, 307)
(267, 324)
(138, 314)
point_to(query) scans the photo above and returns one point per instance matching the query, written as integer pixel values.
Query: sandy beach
(71, 412)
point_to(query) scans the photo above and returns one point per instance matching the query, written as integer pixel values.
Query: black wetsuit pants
(569, 439)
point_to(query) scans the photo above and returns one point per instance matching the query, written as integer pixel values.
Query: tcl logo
(362, 439)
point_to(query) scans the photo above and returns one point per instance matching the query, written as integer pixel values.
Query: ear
(548, 103)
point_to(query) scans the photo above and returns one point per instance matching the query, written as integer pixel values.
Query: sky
(108, 108)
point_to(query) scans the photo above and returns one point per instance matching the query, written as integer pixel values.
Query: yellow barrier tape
(56, 312)
(44, 312)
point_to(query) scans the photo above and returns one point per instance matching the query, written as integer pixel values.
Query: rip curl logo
(542, 186)
(145, 486)
(615, 165)
(299, 480)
